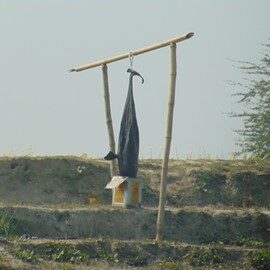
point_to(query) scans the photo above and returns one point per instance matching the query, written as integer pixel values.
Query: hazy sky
(57, 112)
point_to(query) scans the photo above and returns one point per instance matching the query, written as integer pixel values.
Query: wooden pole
(164, 170)
(134, 53)
(113, 168)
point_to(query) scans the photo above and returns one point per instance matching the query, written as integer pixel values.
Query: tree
(255, 135)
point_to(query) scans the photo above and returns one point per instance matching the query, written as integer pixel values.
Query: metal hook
(131, 58)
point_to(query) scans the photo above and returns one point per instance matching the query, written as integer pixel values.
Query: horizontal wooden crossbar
(133, 53)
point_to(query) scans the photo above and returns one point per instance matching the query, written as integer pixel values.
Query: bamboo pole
(113, 168)
(164, 170)
(134, 53)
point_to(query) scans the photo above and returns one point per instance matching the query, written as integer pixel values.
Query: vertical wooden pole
(113, 168)
(164, 170)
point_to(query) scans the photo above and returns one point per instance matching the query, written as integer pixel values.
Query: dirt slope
(219, 209)
(73, 180)
(190, 224)
(52, 180)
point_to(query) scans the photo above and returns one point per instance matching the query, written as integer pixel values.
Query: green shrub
(202, 257)
(208, 180)
(51, 252)
(8, 224)
(103, 250)
(64, 253)
(26, 255)
(261, 260)
(170, 266)
(130, 255)
(207, 238)
(245, 241)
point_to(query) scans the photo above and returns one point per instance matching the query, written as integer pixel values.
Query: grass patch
(245, 242)
(26, 255)
(207, 257)
(125, 254)
(241, 241)
(52, 252)
(168, 266)
(261, 260)
(8, 223)
(129, 254)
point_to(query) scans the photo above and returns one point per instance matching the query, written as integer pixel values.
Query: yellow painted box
(126, 191)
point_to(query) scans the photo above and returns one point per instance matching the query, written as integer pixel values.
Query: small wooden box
(126, 191)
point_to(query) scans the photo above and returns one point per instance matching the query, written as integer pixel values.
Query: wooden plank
(116, 181)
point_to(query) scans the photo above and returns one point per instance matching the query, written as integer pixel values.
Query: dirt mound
(186, 224)
(53, 180)
(73, 180)
(49, 197)
(204, 183)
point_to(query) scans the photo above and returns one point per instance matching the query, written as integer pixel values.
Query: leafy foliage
(262, 259)
(255, 136)
(51, 252)
(245, 241)
(212, 256)
(8, 224)
(169, 266)
(26, 255)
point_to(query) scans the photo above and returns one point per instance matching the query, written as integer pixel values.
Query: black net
(128, 141)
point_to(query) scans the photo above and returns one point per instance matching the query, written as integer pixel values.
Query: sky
(45, 110)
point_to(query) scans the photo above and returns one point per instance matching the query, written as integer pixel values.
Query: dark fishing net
(128, 141)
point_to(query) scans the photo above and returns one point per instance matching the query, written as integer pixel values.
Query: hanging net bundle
(128, 141)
